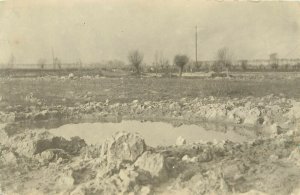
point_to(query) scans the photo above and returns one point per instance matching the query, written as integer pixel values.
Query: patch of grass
(68, 92)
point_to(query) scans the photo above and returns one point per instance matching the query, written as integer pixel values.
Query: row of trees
(135, 58)
(224, 60)
(56, 63)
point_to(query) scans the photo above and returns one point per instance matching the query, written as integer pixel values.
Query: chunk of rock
(253, 192)
(66, 182)
(123, 146)
(234, 169)
(91, 152)
(210, 183)
(3, 135)
(51, 155)
(135, 101)
(35, 142)
(180, 141)
(267, 121)
(46, 156)
(8, 118)
(253, 120)
(273, 157)
(252, 117)
(274, 129)
(79, 190)
(71, 76)
(186, 158)
(145, 190)
(294, 112)
(154, 163)
(43, 115)
(295, 156)
(205, 156)
(128, 176)
(131, 177)
(8, 158)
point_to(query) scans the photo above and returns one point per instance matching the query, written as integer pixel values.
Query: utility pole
(196, 45)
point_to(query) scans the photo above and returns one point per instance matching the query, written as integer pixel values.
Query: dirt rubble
(246, 111)
(37, 162)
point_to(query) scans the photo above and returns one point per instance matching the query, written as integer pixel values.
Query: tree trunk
(137, 70)
(227, 72)
(180, 71)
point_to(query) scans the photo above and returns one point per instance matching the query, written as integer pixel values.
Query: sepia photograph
(139, 97)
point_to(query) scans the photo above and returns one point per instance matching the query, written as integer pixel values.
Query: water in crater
(154, 133)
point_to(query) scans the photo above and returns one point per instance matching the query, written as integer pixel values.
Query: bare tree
(274, 61)
(163, 61)
(135, 58)
(41, 63)
(181, 61)
(244, 65)
(56, 63)
(286, 67)
(115, 64)
(274, 66)
(224, 59)
(160, 61)
(156, 62)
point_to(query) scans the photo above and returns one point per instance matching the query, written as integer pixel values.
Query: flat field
(64, 91)
(259, 108)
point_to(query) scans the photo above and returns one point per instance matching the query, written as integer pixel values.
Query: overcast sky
(94, 31)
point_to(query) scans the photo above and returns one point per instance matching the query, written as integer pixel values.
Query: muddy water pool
(154, 133)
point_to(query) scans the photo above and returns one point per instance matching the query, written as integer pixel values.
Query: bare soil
(32, 161)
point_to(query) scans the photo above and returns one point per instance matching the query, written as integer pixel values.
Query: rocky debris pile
(124, 164)
(41, 142)
(126, 181)
(7, 117)
(248, 111)
(209, 182)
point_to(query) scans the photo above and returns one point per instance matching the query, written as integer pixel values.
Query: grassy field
(68, 92)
